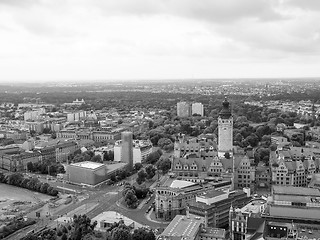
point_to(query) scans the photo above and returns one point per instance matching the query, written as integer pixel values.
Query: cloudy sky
(158, 39)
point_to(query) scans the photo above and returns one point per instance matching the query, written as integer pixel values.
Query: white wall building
(197, 108)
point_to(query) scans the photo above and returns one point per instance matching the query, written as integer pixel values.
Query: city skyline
(119, 40)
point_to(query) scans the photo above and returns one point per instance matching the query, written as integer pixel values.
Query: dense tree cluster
(46, 168)
(154, 157)
(14, 226)
(80, 228)
(131, 195)
(119, 231)
(17, 179)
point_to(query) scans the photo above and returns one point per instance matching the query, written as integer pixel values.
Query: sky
(85, 40)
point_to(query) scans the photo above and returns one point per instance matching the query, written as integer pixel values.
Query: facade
(18, 161)
(294, 167)
(197, 108)
(36, 126)
(173, 199)
(214, 205)
(245, 222)
(76, 116)
(183, 109)
(200, 147)
(225, 130)
(88, 173)
(85, 134)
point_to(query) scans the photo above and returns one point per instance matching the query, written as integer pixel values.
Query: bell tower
(225, 130)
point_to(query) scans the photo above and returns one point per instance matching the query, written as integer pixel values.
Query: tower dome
(226, 111)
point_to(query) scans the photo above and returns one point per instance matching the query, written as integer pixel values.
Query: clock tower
(225, 130)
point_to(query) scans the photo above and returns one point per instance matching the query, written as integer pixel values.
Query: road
(99, 200)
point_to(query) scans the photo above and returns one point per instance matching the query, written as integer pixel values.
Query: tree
(121, 233)
(138, 166)
(227, 155)
(164, 164)
(150, 171)
(143, 234)
(30, 166)
(97, 158)
(131, 199)
(153, 157)
(141, 176)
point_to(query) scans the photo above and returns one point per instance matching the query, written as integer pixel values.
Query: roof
(214, 232)
(301, 191)
(181, 184)
(88, 164)
(183, 226)
(254, 224)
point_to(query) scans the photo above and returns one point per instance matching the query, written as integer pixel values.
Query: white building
(197, 108)
(141, 150)
(76, 116)
(33, 115)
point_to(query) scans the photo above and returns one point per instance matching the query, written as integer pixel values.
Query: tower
(127, 149)
(225, 130)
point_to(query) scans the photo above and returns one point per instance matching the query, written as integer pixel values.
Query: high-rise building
(127, 149)
(225, 130)
(183, 109)
(197, 108)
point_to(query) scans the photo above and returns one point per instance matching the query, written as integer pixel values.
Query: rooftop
(301, 191)
(182, 226)
(181, 184)
(214, 232)
(88, 164)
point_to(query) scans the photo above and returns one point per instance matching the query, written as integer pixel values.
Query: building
(127, 149)
(76, 116)
(183, 227)
(246, 222)
(88, 173)
(17, 161)
(298, 204)
(183, 109)
(107, 219)
(214, 205)
(294, 166)
(197, 108)
(87, 134)
(141, 150)
(225, 130)
(33, 115)
(92, 173)
(172, 197)
(200, 147)
(38, 127)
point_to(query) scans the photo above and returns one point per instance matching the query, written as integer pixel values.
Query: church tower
(225, 130)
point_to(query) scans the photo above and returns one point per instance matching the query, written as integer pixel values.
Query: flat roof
(181, 184)
(214, 232)
(112, 216)
(301, 191)
(212, 194)
(88, 164)
(183, 226)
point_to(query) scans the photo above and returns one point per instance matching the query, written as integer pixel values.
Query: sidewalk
(148, 216)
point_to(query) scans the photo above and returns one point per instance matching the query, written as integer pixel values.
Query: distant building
(183, 109)
(141, 150)
(33, 115)
(225, 130)
(76, 116)
(197, 108)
